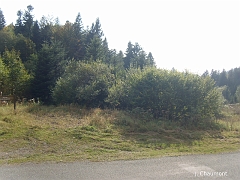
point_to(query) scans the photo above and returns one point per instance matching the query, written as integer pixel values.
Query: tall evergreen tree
(94, 50)
(96, 29)
(136, 57)
(215, 76)
(36, 35)
(150, 59)
(141, 60)
(205, 74)
(94, 32)
(46, 29)
(116, 63)
(28, 21)
(50, 66)
(19, 26)
(128, 55)
(79, 38)
(25, 22)
(78, 25)
(223, 79)
(106, 52)
(2, 20)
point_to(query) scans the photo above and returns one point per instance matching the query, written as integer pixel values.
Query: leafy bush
(83, 83)
(178, 96)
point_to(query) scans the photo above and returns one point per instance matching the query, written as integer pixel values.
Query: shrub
(178, 96)
(83, 83)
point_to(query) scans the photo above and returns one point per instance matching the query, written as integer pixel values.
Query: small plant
(7, 120)
(89, 128)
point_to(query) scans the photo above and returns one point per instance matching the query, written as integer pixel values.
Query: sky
(193, 35)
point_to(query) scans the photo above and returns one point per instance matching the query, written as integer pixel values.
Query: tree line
(70, 64)
(228, 83)
(45, 48)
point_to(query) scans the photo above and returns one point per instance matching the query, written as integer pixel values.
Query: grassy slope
(68, 133)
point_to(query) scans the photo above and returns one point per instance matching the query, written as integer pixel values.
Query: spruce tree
(150, 59)
(36, 35)
(50, 66)
(19, 26)
(94, 50)
(28, 21)
(2, 20)
(25, 22)
(79, 50)
(128, 55)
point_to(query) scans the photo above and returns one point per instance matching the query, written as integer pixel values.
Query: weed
(89, 128)
(7, 120)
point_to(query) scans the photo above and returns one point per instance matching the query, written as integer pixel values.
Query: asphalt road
(220, 166)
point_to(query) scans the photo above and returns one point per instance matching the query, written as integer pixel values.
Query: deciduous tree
(17, 78)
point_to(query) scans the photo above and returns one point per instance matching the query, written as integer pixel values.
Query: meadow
(37, 133)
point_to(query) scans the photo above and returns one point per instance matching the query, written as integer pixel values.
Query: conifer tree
(25, 22)
(19, 26)
(2, 20)
(50, 66)
(150, 59)
(106, 52)
(129, 55)
(36, 35)
(79, 38)
(28, 21)
(94, 50)
(96, 29)
(95, 32)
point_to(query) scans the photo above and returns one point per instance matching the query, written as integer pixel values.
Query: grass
(69, 133)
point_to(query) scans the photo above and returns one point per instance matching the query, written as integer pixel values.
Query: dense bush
(179, 96)
(83, 83)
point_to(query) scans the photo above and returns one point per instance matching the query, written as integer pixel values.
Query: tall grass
(70, 132)
(230, 118)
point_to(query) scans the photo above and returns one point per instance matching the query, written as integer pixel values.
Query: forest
(228, 82)
(69, 64)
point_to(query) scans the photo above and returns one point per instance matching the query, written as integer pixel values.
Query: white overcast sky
(194, 35)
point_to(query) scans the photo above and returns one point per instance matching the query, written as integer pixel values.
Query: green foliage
(137, 58)
(44, 47)
(238, 94)
(230, 79)
(50, 66)
(7, 39)
(14, 76)
(94, 50)
(96, 29)
(172, 95)
(25, 46)
(2, 20)
(24, 22)
(222, 90)
(3, 74)
(71, 36)
(84, 83)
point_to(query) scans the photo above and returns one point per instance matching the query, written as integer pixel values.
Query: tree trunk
(14, 101)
